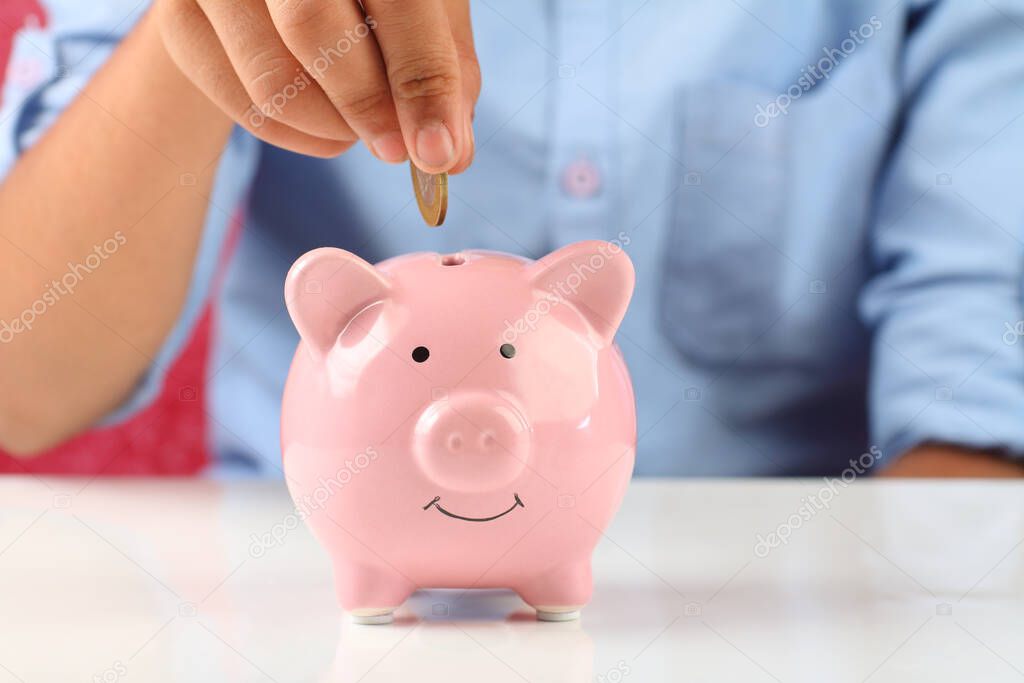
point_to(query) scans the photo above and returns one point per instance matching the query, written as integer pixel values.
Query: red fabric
(14, 15)
(167, 438)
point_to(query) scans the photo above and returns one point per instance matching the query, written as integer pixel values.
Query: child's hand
(316, 75)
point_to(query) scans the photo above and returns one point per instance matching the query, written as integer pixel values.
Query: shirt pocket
(725, 267)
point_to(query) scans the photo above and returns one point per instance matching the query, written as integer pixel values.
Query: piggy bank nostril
(454, 441)
(488, 441)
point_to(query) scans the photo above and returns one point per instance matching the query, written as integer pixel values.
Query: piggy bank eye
(507, 350)
(420, 354)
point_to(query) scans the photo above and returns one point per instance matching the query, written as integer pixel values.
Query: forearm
(110, 168)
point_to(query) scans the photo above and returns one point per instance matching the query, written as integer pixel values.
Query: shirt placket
(581, 187)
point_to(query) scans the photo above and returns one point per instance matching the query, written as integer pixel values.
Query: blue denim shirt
(822, 199)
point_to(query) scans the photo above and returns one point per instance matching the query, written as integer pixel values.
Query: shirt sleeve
(944, 303)
(52, 57)
(55, 48)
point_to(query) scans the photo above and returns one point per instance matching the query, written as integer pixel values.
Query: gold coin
(431, 195)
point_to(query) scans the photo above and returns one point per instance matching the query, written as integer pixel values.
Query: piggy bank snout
(471, 441)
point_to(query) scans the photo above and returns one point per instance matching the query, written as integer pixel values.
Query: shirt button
(581, 179)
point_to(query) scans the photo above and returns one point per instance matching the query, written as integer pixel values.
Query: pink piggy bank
(459, 421)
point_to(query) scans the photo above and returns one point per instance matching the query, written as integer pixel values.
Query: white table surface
(156, 581)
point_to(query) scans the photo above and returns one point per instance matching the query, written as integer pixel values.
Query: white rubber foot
(558, 615)
(372, 617)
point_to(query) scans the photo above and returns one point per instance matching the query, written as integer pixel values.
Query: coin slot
(453, 260)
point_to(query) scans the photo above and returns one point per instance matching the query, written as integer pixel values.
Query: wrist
(159, 103)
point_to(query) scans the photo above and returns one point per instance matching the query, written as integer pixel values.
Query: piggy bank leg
(559, 594)
(370, 594)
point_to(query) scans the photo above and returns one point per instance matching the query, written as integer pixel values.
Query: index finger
(422, 63)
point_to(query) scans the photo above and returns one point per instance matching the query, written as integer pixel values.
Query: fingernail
(466, 157)
(434, 145)
(389, 147)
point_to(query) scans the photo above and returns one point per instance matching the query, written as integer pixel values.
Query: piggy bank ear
(595, 277)
(325, 289)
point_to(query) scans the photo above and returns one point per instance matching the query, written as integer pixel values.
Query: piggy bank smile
(436, 503)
